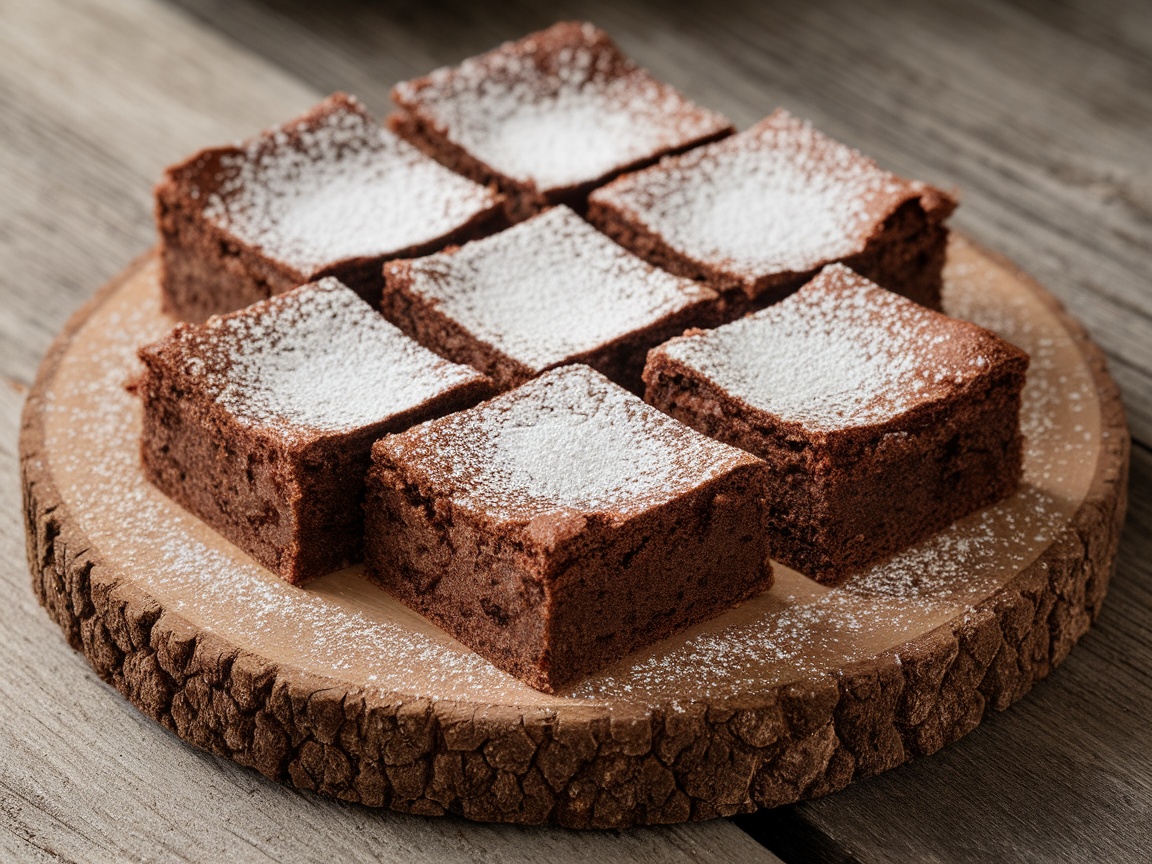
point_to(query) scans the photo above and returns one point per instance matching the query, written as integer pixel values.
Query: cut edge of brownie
(829, 539)
(524, 198)
(905, 253)
(531, 618)
(271, 497)
(207, 270)
(277, 493)
(621, 359)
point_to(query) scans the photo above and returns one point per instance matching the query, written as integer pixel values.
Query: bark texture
(580, 767)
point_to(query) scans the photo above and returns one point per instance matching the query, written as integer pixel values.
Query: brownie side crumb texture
(559, 526)
(881, 420)
(260, 422)
(331, 193)
(757, 214)
(547, 292)
(550, 116)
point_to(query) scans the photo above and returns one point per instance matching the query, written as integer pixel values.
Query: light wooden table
(1042, 116)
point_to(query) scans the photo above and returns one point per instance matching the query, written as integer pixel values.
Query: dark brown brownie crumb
(561, 525)
(548, 117)
(882, 421)
(757, 214)
(331, 193)
(260, 422)
(547, 292)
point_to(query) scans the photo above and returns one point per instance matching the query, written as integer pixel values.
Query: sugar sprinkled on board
(558, 118)
(336, 186)
(779, 197)
(182, 562)
(316, 359)
(841, 352)
(550, 288)
(964, 562)
(92, 426)
(570, 440)
(765, 644)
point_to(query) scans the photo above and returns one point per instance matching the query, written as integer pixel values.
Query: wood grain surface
(1040, 113)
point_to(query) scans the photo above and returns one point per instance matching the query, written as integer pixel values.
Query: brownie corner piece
(485, 303)
(561, 525)
(331, 193)
(260, 422)
(756, 215)
(882, 421)
(550, 116)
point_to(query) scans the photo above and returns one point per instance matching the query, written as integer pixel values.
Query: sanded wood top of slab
(339, 688)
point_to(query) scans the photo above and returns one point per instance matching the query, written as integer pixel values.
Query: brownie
(758, 214)
(332, 193)
(550, 116)
(560, 525)
(882, 420)
(260, 422)
(547, 292)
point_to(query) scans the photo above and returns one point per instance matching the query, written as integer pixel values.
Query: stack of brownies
(549, 228)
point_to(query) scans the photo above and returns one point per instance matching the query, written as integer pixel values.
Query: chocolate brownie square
(332, 193)
(882, 420)
(561, 525)
(260, 422)
(757, 214)
(547, 292)
(550, 116)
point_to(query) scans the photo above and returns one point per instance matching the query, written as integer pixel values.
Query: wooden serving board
(338, 688)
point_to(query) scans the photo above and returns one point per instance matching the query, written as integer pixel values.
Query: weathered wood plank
(95, 97)
(91, 109)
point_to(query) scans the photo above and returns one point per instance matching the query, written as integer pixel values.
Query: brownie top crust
(330, 186)
(567, 443)
(558, 108)
(843, 353)
(308, 363)
(549, 288)
(779, 197)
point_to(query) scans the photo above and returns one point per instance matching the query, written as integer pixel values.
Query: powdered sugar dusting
(840, 352)
(558, 119)
(966, 561)
(550, 288)
(791, 632)
(777, 198)
(316, 359)
(343, 628)
(569, 440)
(337, 186)
(1061, 426)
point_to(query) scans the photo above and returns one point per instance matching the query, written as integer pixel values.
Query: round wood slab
(797, 693)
